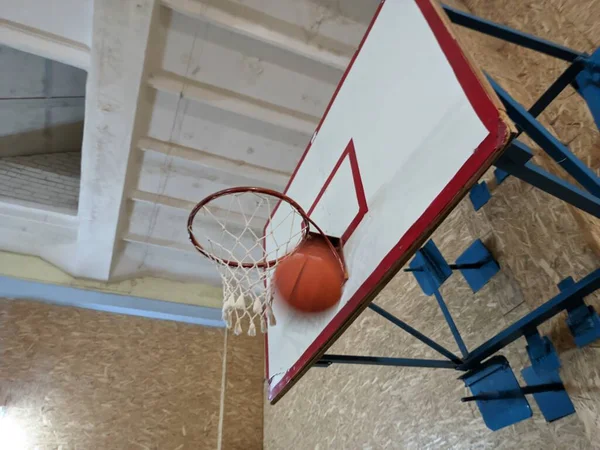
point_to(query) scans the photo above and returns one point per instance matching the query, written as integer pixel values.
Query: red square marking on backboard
(349, 153)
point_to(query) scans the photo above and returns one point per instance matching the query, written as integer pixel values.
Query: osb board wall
(537, 240)
(243, 419)
(80, 379)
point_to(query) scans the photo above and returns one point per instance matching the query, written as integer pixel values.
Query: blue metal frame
(526, 119)
(327, 360)
(569, 298)
(515, 161)
(487, 375)
(510, 35)
(550, 144)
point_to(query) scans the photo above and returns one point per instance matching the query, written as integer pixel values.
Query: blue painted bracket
(496, 376)
(515, 161)
(479, 195)
(550, 144)
(430, 268)
(500, 175)
(477, 277)
(554, 404)
(542, 353)
(476, 264)
(544, 367)
(587, 84)
(582, 320)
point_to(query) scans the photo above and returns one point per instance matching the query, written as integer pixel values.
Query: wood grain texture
(80, 379)
(243, 409)
(538, 241)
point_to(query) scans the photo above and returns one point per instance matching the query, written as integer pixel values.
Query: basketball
(310, 280)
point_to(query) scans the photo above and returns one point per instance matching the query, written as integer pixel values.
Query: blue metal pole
(525, 390)
(417, 334)
(510, 35)
(327, 360)
(451, 324)
(557, 151)
(477, 265)
(556, 88)
(564, 300)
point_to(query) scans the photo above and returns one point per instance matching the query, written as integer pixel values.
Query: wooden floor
(538, 242)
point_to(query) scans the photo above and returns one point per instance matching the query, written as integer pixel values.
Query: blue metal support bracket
(507, 404)
(500, 175)
(544, 370)
(554, 403)
(582, 320)
(487, 266)
(479, 195)
(429, 268)
(541, 351)
(515, 162)
(551, 145)
(587, 84)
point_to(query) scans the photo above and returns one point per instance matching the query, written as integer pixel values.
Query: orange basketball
(310, 280)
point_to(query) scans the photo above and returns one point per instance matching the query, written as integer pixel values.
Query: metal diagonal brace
(510, 35)
(564, 80)
(327, 360)
(417, 334)
(451, 323)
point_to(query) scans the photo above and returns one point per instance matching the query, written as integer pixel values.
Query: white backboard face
(409, 130)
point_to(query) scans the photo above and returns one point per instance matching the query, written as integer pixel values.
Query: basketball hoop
(236, 224)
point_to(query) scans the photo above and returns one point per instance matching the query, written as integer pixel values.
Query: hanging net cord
(240, 252)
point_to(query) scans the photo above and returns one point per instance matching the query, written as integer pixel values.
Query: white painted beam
(211, 161)
(185, 205)
(47, 45)
(161, 243)
(163, 200)
(34, 213)
(257, 31)
(233, 102)
(164, 257)
(121, 34)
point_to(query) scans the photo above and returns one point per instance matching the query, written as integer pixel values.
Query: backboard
(411, 127)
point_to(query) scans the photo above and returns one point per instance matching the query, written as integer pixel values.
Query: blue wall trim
(115, 303)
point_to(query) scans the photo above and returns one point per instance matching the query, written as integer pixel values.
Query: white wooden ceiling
(184, 98)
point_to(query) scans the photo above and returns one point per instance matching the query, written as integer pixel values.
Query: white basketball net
(234, 228)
